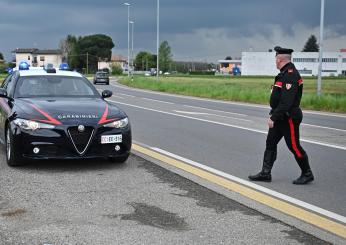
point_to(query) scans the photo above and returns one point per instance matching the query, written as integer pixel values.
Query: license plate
(108, 139)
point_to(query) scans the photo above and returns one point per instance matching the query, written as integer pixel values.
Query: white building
(115, 60)
(37, 58)
(263, 63)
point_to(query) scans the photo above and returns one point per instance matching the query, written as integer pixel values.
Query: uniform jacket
(286, 94)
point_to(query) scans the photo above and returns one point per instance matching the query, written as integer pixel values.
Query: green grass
(245, 89)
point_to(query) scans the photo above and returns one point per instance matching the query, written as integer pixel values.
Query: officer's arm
(288, 92)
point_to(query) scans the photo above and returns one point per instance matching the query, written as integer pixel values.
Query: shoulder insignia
(288, 86)
(290, 70)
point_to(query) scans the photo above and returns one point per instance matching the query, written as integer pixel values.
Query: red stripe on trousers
(293, 139)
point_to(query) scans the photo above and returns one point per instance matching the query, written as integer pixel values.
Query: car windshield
(54, 86)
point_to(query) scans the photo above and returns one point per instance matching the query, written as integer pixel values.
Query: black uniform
(285, 99)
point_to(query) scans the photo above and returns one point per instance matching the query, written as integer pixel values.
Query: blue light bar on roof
(63, 66)
(23, 65)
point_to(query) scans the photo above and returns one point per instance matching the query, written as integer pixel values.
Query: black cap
(280, 50)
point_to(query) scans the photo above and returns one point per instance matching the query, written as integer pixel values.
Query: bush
(116, 69)
(3, 68)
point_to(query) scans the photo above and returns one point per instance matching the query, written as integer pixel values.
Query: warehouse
(263, 63)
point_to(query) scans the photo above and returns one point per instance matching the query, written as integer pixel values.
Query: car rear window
(102, 74)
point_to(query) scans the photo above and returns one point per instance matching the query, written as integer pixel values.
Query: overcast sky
(200, 30)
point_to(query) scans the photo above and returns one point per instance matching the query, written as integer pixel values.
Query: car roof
(39, 71)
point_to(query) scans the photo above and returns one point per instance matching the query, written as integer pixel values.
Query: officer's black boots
(268, 162)
(306, 175)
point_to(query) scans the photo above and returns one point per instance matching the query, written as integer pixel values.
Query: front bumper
(58, 144)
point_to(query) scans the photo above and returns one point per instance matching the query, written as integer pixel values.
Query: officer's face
(277, 61)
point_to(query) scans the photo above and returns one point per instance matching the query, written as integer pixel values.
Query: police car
(49, 113)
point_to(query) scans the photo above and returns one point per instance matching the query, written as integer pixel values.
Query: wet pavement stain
(155, 217)
(14, 213)
(221, 204)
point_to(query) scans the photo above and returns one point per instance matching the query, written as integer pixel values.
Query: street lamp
(128, 37)
(157, 39)
(319, 78)
(132, 37)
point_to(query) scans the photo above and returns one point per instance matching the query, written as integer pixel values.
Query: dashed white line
(228, 125)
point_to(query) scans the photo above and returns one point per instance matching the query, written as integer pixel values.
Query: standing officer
(285, 118)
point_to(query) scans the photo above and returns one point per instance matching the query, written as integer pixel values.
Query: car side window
(9, 84)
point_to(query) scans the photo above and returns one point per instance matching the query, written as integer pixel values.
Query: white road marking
(203, 108)
(260, 188)
(316, 126)
(215, 115)
(192, 113)
(158, 101)
(228, 125)
(224, 102)
(127, 95)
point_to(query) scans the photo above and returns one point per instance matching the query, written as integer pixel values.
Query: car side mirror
(106, 93)
(3, 93)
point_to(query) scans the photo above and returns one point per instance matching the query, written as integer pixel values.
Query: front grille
(80, 140)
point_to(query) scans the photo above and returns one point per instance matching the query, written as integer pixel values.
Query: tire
(11, 158)
(121, 159)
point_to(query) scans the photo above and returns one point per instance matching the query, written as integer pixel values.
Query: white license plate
(108, 139)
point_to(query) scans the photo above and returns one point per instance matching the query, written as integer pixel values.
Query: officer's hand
(270, 123)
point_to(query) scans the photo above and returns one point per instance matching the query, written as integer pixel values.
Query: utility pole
(87, 68)
(319, 79)
(157, 39)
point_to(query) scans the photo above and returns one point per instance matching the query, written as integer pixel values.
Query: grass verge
(245, 89)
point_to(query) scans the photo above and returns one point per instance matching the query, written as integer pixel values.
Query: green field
(245, 89)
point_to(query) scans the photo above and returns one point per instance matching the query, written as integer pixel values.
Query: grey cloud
(182, 22)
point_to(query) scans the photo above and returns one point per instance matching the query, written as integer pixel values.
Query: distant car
(166, 73)
(101, 77)
(57, 114)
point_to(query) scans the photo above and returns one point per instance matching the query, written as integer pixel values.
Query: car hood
(88, 111)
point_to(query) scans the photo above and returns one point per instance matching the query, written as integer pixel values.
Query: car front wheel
(11, 158)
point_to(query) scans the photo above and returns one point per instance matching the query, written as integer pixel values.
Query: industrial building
(263, 63)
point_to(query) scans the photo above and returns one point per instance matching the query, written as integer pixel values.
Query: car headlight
(32, 125)
(122, 123)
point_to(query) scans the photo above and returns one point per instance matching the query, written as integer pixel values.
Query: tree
(67, 46)
(86, 51)
(93, 48)
(311, 45)
(165, 56)
(1, 56)
(144, 61)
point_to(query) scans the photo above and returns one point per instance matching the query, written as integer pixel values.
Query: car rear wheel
(11, 158)
(121, 159)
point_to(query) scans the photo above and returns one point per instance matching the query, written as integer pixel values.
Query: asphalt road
(102, 203)
(230, 137)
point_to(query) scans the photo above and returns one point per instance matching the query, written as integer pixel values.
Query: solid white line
(224, 102)
(316, 126)
(257, 187)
